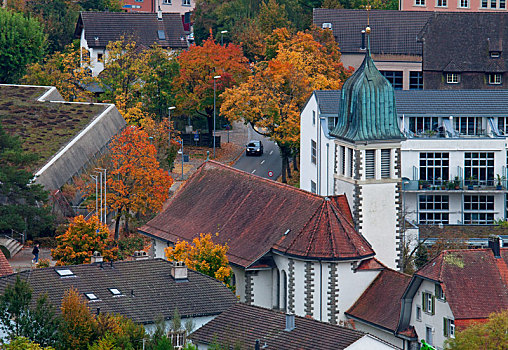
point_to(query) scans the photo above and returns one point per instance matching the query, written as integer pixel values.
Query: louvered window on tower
(370, 164)
(351, 162)
(385, 163)
(343, 160)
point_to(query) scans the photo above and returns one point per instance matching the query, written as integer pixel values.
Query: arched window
(277, 292)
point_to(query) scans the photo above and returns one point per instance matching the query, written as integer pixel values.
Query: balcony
(456, 185)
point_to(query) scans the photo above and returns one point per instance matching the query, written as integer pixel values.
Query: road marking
(262, 161)
(253, 171)
(271, 151)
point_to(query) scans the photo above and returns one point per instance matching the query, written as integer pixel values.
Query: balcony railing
(453, 185)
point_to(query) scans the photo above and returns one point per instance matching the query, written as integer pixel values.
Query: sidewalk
(23, 260)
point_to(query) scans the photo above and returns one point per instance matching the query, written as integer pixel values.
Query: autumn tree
(22, 343)
(271, 99)
(136, 183)
(81, 239)
(22, 42)
(194, 85)
(203, 256)
(64, 71)
(118, 331)
(77, 326)
(492, 335)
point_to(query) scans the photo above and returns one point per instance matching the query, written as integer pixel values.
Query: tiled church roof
(5, 267)
(255, 215)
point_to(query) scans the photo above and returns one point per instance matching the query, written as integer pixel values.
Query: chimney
(256, 347)
(362, 47)
(140, 255)
(290, 322)
(159, 14)
(179, 271)
(98, 311)
(96, 258)
(495, 246)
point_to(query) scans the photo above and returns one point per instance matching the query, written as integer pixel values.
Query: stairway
(12, 245)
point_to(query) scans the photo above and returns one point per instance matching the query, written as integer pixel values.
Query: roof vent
(96, 38)
(290, 322)
(140, 255)
(179, 271)
(362, 46)
(327, 26)
(96, 258)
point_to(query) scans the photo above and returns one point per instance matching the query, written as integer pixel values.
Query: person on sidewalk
(35, 252)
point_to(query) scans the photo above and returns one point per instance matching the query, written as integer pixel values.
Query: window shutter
(370, 164)
(433, 305)
(385, 163)
(445, 327)
(423, 302)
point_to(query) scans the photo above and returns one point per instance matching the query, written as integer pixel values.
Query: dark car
(254, 148)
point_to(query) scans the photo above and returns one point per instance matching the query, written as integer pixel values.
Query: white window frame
(313, 118)
(480, 166)
(495, 79)
(434, 166)
(423, 124)
(186, 2)
(166, 2)
(448, 327)
(313, 187)
(480, 209)
(469, 125)
(441, 3)
(464, 4)
(313, 152)
(452, 78)
(433, 209)
(428, 303)
(502, 125)
(418, 314)
(419, 3)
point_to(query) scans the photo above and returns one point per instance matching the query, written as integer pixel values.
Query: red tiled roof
(253, 215)
(380, 303)
(475, 283)
(5, 267)
(243, 324)
(371, 264)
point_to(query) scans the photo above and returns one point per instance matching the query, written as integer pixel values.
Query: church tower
(367, 158)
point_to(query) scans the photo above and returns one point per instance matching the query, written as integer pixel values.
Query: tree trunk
(288, 167)
(117, 227)
(295, 162)
(284, 165)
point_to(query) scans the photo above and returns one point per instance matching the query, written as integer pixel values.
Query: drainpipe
(320, 290)
(327, 168)
(318, 156)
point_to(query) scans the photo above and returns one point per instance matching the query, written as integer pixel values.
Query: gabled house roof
(244, 324)
(147, 289)
(475, 283)
(254, 216)
(393, 32)
(143, 27)
(5, 267)
(462, 42)
(380, 303)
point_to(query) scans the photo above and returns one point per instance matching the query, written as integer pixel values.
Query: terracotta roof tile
(380, 303)
(253, 215)
(147, 288)
(5, 267)
(243, 324)
(371, 264)
(474, 281)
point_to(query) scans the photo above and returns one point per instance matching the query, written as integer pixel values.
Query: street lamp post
(169, 133)
(222, 37)
(214, 92)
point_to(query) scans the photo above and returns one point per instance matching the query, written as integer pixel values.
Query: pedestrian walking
(35, 252)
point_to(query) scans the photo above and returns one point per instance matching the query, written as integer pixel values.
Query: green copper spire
(367, 109)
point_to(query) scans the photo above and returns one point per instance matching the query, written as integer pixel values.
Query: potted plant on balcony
(451, 185)
(500, 179)
(456, 183)
(471, 181)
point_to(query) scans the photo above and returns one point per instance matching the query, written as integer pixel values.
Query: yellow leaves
(203, 256)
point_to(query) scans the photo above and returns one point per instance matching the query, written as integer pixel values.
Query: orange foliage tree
(271, 99)
(78, 324)
(203, 256)
(136, 184)
(81, 239)
(193, 85)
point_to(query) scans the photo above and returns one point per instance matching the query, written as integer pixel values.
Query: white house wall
(197, 323)
(262, 285)
(371, 343)
(442, 310)
(158, 247)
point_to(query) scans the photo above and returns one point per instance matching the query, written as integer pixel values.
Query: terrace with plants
(44, 127)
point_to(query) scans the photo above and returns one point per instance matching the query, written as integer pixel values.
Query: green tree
(492, 335)
(101, 5)
(22, 41)
(58, 18)
(24, 206)
(17, 319)
(22, 343)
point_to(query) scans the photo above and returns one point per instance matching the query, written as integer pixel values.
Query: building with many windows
(453, 6)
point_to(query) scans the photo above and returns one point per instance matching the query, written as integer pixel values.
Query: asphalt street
(261, 165)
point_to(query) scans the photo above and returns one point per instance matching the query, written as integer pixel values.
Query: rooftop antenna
(367, 30)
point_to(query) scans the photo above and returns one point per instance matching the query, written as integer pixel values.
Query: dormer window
(439, 292)
(495, 78)
(452, 78)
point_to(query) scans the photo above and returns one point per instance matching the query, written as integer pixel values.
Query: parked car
(254, 147)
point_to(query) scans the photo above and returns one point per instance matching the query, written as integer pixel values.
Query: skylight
(115, 291)
(161, 34)
(65, 273)
(91, 296)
